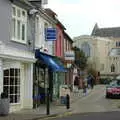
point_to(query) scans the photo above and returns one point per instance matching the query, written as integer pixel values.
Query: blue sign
(50, 34)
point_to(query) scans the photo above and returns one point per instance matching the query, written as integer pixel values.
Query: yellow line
(58, 116)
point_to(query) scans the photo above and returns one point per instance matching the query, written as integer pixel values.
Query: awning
(50, 61)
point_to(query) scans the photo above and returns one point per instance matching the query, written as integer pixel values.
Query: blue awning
(50, 62)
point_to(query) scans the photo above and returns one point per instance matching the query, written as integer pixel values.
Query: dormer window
(19, 24)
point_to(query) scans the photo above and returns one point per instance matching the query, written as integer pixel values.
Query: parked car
(105, 80)
(113, 89)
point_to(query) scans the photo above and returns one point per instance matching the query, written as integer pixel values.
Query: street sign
(50, 34)
(69, 55)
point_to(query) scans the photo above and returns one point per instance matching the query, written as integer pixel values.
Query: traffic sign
(50, 34)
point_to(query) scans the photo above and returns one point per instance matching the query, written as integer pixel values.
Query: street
(93, 116)
(95, 107)
(96, 102)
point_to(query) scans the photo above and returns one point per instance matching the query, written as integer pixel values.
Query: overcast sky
(80, 16)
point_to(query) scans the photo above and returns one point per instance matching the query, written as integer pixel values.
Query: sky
(80, 16)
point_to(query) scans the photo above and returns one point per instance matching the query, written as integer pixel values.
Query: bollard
(67, 101)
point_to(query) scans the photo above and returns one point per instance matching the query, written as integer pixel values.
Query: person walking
(85, 86)
(92, 81)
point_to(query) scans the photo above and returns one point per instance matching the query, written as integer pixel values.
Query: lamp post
(48, 103)
(47, 98)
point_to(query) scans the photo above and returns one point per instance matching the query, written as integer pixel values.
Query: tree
(80, 58)
(92, 71)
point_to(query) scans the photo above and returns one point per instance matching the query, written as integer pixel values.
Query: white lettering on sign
(69, 55)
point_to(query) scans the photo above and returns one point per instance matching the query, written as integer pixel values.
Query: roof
(106, 32)
(52, 14)
(69, 38)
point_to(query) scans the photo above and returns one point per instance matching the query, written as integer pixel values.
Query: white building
(16, 55)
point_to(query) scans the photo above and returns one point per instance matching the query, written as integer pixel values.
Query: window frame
(12, 84)
(85, 46)
(112, 68)
(22, 19)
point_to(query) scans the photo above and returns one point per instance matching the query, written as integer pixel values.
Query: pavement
(40, 113)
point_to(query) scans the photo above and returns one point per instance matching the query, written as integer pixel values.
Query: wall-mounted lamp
(33, 11)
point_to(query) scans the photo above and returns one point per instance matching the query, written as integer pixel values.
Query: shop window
(11, 84)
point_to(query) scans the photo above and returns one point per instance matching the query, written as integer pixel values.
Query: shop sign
(50, 34)
(70, 55)
(68, 65)
(64, 90)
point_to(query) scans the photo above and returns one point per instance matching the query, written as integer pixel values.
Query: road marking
(58, 116)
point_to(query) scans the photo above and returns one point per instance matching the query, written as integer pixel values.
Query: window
(45, 25)
(117, 44)
(19, 24)
(112, 68)
(86, 49)
(11, 84)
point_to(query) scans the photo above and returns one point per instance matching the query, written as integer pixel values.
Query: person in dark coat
(92, 81)
(85, 87)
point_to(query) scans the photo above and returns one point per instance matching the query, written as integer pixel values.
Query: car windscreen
(114, 83)
(118, 82)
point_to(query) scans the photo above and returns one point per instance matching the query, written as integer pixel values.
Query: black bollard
(67, 101)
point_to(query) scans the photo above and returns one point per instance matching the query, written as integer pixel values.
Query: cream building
(103, 49)
(97, 49)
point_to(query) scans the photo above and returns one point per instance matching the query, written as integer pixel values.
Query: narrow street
(95, 107)
(96, 102)
(93, 116)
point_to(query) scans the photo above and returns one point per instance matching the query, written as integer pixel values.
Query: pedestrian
(85, 87)
(92, 82)
(89, 82)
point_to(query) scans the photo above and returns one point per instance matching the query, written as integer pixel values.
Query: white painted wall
(13, 57)
(16, 54)
(1, 75)
(27, 86)
(40, 36)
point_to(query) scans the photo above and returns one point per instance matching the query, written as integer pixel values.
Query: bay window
(11, 84)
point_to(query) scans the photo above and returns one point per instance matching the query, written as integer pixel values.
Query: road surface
(95, 107)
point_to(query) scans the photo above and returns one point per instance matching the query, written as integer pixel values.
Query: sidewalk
(40, 113)
(77, 95)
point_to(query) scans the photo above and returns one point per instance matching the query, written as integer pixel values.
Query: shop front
(16, 81)
(47, 72)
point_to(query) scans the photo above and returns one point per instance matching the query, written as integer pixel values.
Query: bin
(4, 104)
